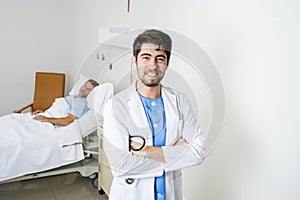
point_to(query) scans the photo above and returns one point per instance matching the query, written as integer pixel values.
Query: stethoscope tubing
(136, 136)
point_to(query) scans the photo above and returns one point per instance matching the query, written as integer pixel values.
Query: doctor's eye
(161, 59)
(145, 57)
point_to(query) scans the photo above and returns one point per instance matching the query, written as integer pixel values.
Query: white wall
(35, 35)
(254, 45)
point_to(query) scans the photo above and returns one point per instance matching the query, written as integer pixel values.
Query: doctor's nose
(152, 61)
(153, 64)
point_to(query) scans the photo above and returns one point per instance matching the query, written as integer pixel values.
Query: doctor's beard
(143, 77)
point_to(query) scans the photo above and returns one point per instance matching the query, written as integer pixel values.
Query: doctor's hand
(136, 145)
(155, 153)
(180, 141)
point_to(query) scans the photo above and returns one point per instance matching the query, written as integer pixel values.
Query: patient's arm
(64, 121)
(36, 112)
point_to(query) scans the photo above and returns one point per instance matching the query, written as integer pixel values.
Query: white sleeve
(192, 153)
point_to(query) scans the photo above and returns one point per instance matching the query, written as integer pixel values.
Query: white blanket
(67, 135)
(30, 146)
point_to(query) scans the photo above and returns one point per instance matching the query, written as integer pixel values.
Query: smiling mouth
(151, 74)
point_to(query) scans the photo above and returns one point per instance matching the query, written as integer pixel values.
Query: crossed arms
(152, 152)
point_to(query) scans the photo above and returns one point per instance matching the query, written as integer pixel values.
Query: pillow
(86, 123)
(98, 97)
(96, 101)
(90, 97)
(81, 80)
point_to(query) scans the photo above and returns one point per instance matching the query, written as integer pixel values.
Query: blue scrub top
(154, 110)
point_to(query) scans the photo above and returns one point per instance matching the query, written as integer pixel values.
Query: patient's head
(87, 87)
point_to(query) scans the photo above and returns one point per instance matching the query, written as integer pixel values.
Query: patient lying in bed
(77, 106)
(35, 142)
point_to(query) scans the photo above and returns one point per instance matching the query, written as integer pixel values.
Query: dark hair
(159, 38)
(93, 82)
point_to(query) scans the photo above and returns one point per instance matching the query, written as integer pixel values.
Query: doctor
(157, 114)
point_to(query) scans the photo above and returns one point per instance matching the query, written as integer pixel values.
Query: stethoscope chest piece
(129, 180)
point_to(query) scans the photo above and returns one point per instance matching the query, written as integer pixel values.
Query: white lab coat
(125, 115)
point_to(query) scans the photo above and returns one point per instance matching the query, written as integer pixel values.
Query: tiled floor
(70, 186)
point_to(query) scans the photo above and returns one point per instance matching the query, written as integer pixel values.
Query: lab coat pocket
(126, 188)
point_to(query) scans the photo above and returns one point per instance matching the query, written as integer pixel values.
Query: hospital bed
(78, 146)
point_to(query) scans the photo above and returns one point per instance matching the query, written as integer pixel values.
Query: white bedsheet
(30, 146)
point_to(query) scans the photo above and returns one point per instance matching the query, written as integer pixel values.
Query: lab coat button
(129, 180)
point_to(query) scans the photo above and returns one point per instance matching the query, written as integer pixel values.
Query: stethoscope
(140, 139)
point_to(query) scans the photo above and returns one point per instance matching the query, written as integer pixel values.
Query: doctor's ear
(168, 63)
(133, 60)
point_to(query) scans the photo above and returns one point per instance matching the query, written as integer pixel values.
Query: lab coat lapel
(139, 119)
(171, 115)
